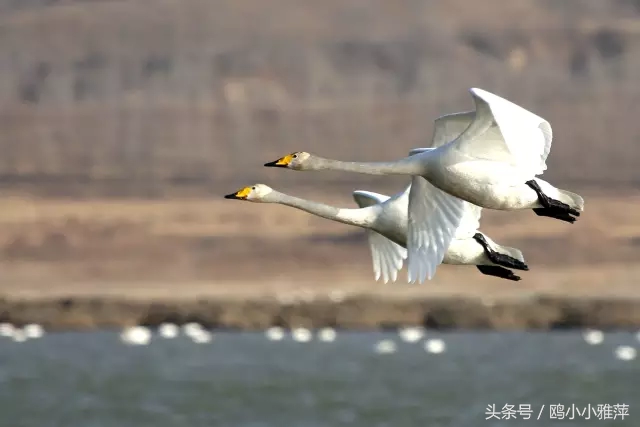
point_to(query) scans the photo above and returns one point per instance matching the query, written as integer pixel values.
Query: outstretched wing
(434, 217)
(446, 129)
(505, 132)
(387, 256)
(364, 199)
(470, 221)
(415, 151)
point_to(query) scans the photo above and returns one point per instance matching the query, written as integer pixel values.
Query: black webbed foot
(497, 271)
(498, 258)
(552, 208)
(562, 215)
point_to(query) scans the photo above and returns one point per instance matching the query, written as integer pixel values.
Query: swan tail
(572, 199)
(509, 257)
(509, 251)
(559, 204)
(499, 255)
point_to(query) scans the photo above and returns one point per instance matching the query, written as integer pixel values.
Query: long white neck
(414, 165)
(363, 217)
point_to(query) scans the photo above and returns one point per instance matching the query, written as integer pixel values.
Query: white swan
(301, 334)
(136, 335)
(200, 336)
(488, 157)
(7, 329)
(33, 330)
(435, 346)
(168, 330)
(275, 333)
(327, 334)
(385, 347)
(386, 221)
(411, 333)
(625, 352)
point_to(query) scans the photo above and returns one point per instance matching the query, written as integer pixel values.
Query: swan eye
(253, 188)
(295, 156)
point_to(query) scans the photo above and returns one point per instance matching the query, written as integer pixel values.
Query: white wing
(470, 221)
(434, 217)
(415, 151)
(364, 199)
(449, 127)
(387, 256)
(505, 132)
(446, 129)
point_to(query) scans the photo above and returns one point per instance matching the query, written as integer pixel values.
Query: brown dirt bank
(55, 242)
(95, 263)
(351, 312)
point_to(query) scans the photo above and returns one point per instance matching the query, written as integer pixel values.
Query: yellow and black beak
(239, 195)
(281, 162)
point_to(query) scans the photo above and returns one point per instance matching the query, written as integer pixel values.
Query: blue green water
(244, 380)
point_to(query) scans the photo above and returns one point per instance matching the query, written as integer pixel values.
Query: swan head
(256, 193)
(300, 160)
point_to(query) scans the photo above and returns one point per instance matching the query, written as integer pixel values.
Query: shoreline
(352, 312)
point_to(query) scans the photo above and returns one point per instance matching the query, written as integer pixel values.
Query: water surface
(244, 380)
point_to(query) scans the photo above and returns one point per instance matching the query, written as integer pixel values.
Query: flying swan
(386, 221)
(492, 163)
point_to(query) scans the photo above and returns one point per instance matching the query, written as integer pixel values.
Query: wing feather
(365, 199)
(446, 129)
(505, 132)
(386, 255)
(434, 217)
(470, 221)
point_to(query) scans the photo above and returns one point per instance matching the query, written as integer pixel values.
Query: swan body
(389, 239)
(488, 158)
(386, 221)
